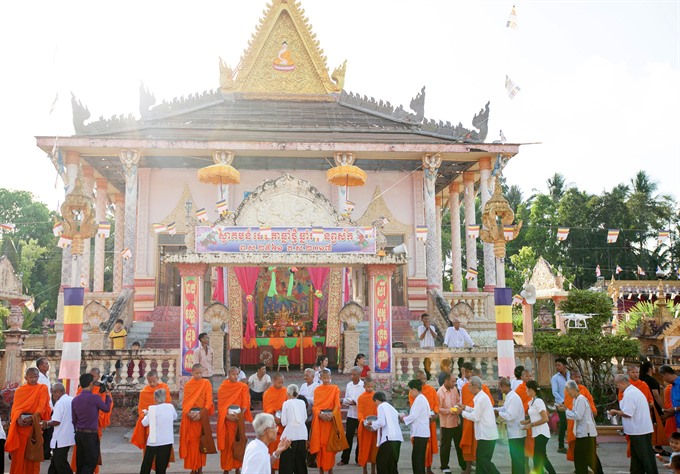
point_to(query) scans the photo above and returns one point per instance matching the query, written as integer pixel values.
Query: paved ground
(120, 457)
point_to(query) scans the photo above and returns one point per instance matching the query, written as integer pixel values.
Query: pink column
(380, 318)
(88, 183)
(191, 312)
(470, 243)
(99, 242)
(118, 239)
(456, 248)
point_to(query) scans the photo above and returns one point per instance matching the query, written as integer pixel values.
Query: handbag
(34, 448)
(207, 441)
(239, 449)
(337, 440)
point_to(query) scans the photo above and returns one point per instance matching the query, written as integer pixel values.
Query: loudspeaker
(529, 294)
(400, 249)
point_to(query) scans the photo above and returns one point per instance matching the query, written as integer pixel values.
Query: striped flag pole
(506, 345)
(69, 368)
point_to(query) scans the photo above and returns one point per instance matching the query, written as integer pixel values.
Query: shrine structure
(266, 206)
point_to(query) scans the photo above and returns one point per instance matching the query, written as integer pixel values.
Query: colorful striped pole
(69, 369)
(506, 344)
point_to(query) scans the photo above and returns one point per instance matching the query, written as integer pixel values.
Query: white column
(419, 220)
(438, 213)
(130, 161)
(118, 239)
(142, 240)
(431, 164)
(99, 243)
(485, 189)
(456, 249)
(470, 243)
(88, 184)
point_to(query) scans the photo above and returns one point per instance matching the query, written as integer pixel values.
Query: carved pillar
(192, 313)
(217, 314)
(485, 190)
(72, 165)
(334, 306)
(471, 242)
(14, 339)
(118, 239)
(100, 243)
(235, 327)
(456, 249)
(528, 323)
(130, 161)
(380, 318)
(142, 239)
(431, 164)
(438, 213)
(419, 220)
(88, 184)
(559, 320)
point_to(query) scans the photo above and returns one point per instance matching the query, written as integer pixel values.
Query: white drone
(577, 320)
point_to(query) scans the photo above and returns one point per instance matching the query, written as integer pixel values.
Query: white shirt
(536, 406)
(242, 376)
(293, 417)
(482, 415)
(512, 412)
(352, 392)
(45, 380)
(205, 358)
(457, 338)
(428, 340)
(514, 383)
(317, 376)
(256, 458)
(460, 382)
(584, 424)
(387, 424)
(259, 385)
(307, 391)
(64, 432)
(160, 419)
(419, 417)
(634, 404)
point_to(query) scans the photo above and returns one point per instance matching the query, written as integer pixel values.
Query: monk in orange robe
(272, 402)
(104, 418)
(30, 398)
(198, 396)
(468, 442)
(521, 391)
(146, 399)
(569, 403)
(367, 439)
(231, 392)
(432, 398)
(326, 397)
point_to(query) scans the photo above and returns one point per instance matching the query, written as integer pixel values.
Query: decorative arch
(461, 311)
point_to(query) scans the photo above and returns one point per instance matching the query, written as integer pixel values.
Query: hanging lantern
(345, 173)
(221, 172)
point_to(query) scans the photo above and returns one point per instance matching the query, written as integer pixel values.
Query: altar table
(250, 354)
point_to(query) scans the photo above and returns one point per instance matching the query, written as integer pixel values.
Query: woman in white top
(390, 436)
(321, 364)
(159, 418)
(538, 422)
(256, 459)
(293, 417)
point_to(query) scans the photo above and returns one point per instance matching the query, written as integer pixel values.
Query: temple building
(280, 209)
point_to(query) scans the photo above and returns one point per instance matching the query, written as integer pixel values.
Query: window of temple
(168, 292)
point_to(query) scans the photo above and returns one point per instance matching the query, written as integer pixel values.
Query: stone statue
(338, 75)
(227, 82)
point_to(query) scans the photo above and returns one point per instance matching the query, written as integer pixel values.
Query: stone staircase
(165, 332)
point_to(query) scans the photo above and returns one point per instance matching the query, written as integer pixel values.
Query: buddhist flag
(7, 227)
(30, 305)
(57, 229)
(509, 232)
(512, 19)
(562, 233)
(473, 231)
(103, 230)
(664, 235)
(368, 231)
(640, 271)
(471, 274)
(222, 206)
(73, 333)
(158, 228)
(612, 235)
(421, 234)
(202, 214)
(505, 342)
(517, 299)
(349, 206)
(317, 234)
(511, 87)
(171, 229)
(266, 232)
(126, 253)
(618, 269)
(64, 242)
(598, 272)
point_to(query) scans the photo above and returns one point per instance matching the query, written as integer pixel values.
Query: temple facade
(275, 206)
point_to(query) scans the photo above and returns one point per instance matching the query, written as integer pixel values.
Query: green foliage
(587, 301)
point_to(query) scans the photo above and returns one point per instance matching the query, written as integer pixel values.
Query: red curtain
(247, 277)
(218, 294)
(318, 276)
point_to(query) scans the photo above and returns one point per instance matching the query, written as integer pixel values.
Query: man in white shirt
(258, 383)
(637, 424)
(456, 337)
(159, 418)
(64, 434)
(307, 388)
(257, 459)
(512, 412)
(486, 431)
(419, 420)
(426, 336)
(354, 389)
(205, 355)
(390, 436)
(43, 366)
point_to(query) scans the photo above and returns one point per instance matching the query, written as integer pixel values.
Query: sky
(599, 80)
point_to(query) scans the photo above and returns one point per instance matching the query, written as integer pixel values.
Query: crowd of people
(300, 427)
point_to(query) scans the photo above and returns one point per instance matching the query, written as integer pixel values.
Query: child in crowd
(674, 441)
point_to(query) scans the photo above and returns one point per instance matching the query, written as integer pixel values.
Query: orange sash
(326, 397)
(671, 426)
(521, 391)
(141, 433)
(230, 393)
(366, 439)
(27, 399)
(468, 443)
(197, 394)
(272, 401)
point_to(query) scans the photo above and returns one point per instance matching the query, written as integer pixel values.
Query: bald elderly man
(456, 337)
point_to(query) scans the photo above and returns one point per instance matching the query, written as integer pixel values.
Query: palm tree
(557, 185)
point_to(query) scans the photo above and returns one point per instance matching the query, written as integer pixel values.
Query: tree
(589, 302)
(557, 185)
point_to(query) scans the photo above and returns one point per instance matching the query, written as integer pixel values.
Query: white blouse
(536, 406)
(293, 417)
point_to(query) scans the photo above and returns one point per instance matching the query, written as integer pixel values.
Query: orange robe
(569, 403)
(141, 433)
(272, 401)
(230, 393)
(432, 446)
(468, 443)
(27, 399)
(326, 397)
(103, 422)
(197, 394)
(670, 425)
(366, 439)
(529, 441)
